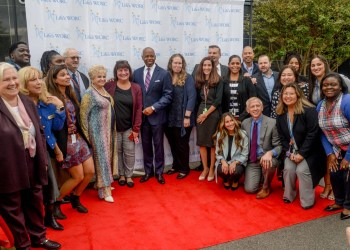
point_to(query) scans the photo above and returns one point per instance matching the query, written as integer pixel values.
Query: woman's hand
(59, 156)
(201, 118)
(225, 167)
(298, 158)
(232, 167)
(344, 164)
(55, 101)
(332, 163)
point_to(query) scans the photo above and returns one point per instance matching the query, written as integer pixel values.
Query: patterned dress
(97, 123)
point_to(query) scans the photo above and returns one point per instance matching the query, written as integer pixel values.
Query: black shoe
(344, 216)
(172, 171)
(130, 184)
(285, 200)
(121, 182)
(145, 178)
(65, 199)
(57, 211)
(331, 208)
(181, 176)
(160, 179)
(75, 201)
(47, 244)
(49, 219)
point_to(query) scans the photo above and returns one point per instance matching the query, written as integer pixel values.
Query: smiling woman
(23, 164)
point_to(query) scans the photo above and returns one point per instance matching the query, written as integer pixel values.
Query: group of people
(62, 128)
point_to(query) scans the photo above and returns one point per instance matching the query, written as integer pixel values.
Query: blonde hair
(299, 105)
(27, 74)
(95, 69)
(182, 75)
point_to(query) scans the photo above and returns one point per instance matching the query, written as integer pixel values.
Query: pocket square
(157, 81)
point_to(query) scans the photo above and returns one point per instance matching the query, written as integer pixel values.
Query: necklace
(105, 92)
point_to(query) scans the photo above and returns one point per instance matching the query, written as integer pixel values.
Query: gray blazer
(269, 138)
(236, 154)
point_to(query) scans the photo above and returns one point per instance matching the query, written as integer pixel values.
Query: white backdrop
(104, 31)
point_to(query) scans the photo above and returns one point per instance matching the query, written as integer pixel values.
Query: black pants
(180, 148)
(231, 177)
(341, 187)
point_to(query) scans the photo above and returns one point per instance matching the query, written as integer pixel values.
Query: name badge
(205, 110)
(74, 138)
(51, 116)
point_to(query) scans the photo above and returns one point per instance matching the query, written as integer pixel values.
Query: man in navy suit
(157, 88)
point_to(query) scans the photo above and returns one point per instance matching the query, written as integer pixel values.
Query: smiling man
(249, 67)
(264, 149)
(157, 88)
(19, 55)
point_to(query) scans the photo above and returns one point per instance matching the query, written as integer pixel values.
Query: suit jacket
(85, 80)
(262, 93)
(255, 69)
(236, 153)
(14, 174)
(307, 136)
(269, 139)
(158, 95)
(223, 68)
(136, 103)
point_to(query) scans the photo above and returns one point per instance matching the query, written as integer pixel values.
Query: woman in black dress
(209, 88)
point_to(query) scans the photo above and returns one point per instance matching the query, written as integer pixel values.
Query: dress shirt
(151, 72)
(260, 149)
(269, 83)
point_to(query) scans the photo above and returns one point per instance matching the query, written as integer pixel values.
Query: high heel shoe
(203, 175)
(211, 178)
(326, 191)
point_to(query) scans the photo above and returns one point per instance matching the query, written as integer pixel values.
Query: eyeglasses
(74, 57)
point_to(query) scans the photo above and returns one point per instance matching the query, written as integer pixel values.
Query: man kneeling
(264, 149)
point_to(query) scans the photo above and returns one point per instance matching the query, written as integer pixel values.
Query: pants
(50, 191)
(254, 173)
(290, 173)
(153, 135)
(126, 154)
(341, 187)
(231, 177)
(180, 148)
(24, 215)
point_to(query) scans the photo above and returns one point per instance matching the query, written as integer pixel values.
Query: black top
(175, 108)
(123, 108)
(230, 140)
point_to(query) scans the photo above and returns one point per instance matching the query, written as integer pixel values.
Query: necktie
(148, 78)
(76, 86)
(254, 144)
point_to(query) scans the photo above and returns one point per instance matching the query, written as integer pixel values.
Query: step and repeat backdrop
(104, 31)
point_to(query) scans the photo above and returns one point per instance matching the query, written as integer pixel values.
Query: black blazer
(262, 93)
(85, 80)
(246, 89)
(307, 136)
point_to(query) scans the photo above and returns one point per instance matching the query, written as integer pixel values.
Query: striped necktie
(148, 78)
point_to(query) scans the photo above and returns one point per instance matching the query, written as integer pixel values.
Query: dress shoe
(210, 178)
(109, 199)
(285, 200)
(47, 244)
(145, 178)
(160, 179)
(172, 171)
(344, 216)
(65, 199)
(75, 201)
(332, 208)
(130, 184)
(50, 220)
(181, 176)
(121, 182)
(227, 186)
(263, 193)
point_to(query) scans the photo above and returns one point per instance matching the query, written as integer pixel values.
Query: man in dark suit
(214, 52)
(265, 147)
(249, 67)
(79, 81)
(265, 81)
(157, 88)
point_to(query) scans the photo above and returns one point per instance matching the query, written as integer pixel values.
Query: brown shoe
(263, 193)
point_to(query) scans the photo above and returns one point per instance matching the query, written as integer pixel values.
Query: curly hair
(223, 132)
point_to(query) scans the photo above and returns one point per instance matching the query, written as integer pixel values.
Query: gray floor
(325, 233)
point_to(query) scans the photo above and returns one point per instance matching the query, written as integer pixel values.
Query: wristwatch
(187, 117)
(60, 109)
(153, 108)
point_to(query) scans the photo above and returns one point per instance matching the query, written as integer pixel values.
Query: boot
(49, 220)
(57, 211)
(75, 201)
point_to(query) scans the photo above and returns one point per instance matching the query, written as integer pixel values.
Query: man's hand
(266, 160)
(148, 111)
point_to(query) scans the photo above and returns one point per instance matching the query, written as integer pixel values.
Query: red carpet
(182, 214)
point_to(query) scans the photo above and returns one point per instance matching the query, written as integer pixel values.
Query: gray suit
(268, 140)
